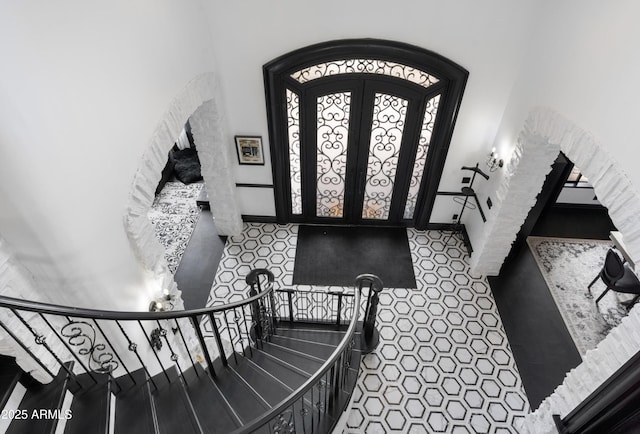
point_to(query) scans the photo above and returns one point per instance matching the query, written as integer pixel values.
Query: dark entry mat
(334, 256)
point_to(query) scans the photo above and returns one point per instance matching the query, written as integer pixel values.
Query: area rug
(174, 214)
(335, 255)
(568, 266)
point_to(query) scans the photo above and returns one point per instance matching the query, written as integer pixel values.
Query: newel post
(370, 335)
(258, 310)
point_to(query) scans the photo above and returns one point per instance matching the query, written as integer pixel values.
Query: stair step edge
(255, 392)
(286, 364)
(14, 382)
(305, 341)
(299, 353)
(192, 409)
(259, 368)
(318, 330)
(235, 414)
(12, 404)
(152, 404)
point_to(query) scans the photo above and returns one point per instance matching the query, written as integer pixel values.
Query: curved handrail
(54, 309)
(315, 378)
(254, 302)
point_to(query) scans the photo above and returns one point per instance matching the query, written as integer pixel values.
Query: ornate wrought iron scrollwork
(293, 130)
(155, 337)
(333, 113)
(284, 423)
(365, 66)
(82, 335)
(389, 113)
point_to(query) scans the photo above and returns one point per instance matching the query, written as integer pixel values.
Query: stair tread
(40, 397)
(277, 368)
(331, 337)
(10, 374)
(245, 401)
(90, 407)
(133, 407)
(307, 363)
(172, 404)
(317, 349)
(270, 388)
(211, 406)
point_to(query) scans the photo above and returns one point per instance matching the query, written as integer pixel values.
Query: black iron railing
(325, 392)
(119, 343)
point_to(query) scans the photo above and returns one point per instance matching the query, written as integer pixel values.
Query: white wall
(581, 62)
(483, 37)
(82, 87)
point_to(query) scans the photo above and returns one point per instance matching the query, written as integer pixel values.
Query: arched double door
(359, 131)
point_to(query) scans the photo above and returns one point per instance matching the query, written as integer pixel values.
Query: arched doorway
(198, 102)
(359, 131)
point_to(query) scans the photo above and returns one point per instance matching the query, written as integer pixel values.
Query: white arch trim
(544, 134)
(199, 100)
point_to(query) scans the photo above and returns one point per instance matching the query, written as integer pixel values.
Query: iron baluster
(256, 323)
(203, 344)
(216, 333)
(339, 313)
(133, 347)
(273, 312)
(174, 356)
(186, 347)
(153, 349)
(87, 370)
(290, 299)
(114, 352)
(26, 349)
(41, 340)
(244, 321)
(233, 348)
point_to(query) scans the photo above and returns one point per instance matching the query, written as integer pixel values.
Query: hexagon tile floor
(443, 363)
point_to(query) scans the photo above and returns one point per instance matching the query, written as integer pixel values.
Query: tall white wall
(483, 37)
(581, 62)
(82, 88)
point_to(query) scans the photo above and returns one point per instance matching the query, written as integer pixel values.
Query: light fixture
(162, 304)
(494, 162)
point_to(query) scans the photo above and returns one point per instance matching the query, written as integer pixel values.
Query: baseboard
(249, 218)
(453, 227)
(589, 206)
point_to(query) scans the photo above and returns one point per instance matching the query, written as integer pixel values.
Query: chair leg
(593, 281)
(632, 302)
(602, 295)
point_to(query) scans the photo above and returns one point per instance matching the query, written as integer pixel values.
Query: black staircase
(278, 361)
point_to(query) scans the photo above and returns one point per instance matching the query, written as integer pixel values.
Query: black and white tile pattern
(443, 363)
(174, 214)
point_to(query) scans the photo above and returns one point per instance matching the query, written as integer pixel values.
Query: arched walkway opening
(543, 136)
(199, 104)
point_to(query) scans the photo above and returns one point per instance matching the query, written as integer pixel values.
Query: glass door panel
(387, 125)
(332, 137)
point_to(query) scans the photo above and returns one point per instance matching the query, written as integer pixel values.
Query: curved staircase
(289, 372)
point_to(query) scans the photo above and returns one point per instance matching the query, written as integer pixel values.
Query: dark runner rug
(334, 256)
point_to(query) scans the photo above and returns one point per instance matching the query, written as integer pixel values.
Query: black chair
(619, 277)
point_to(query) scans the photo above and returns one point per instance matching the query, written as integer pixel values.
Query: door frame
(452, 78)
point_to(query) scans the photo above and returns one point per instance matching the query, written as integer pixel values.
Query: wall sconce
(494, 162)
(163, 303)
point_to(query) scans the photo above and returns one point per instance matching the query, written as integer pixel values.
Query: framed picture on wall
(249, 149)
